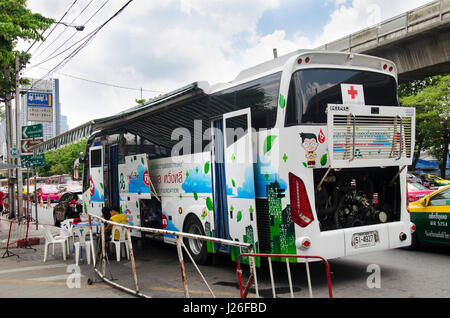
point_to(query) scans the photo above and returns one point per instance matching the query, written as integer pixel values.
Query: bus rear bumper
(365, 239)
(376, 237)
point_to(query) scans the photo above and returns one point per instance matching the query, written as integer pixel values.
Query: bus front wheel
(197, 248)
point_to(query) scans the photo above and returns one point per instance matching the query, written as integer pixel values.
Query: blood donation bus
(303, 154)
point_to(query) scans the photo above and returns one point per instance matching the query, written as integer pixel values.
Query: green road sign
(30, 161)
(32, 131)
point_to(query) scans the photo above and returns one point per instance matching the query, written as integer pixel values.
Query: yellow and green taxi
(431, 216)
(442, 182)
(437, 180)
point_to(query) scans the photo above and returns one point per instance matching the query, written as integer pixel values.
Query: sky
(155, 47)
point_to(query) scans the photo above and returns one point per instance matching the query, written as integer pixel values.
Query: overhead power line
(84, 44)
(56, 24)
(53, 54)
(62, 32)
(109, 84)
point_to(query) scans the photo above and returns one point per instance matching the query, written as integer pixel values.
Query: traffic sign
(32, 131)
(40, 106)
(28, 161)
(39, 99)
(28, 143)
(14, 152)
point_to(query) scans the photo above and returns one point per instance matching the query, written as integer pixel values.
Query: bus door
(221, 225)
(239, 177)
(96, 186)
(114, 171)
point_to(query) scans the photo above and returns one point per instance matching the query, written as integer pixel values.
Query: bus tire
(196, 248)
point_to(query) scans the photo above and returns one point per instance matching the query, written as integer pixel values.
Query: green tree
(16, 23)
(430, 97)
(60, 161)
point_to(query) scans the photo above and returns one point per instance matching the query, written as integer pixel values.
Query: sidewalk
(156, 263)
(32, 231)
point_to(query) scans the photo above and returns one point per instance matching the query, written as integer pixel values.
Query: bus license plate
(365, 239)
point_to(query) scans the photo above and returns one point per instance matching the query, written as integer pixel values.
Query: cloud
(163, 45)
(349, 17)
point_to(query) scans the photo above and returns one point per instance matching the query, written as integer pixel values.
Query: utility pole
(9, 135)
(18, 142)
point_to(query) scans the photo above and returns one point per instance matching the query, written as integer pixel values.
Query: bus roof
(185, 92)
(268, 66)
(322, 57)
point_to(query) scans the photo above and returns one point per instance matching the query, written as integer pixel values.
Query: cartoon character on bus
(310, 144)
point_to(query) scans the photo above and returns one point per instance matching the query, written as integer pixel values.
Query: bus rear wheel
(197, 248)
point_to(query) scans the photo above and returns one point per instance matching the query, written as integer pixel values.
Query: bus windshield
(311, 90)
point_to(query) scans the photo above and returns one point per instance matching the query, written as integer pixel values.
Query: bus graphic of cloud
(137, 185)
(247, 190)
(197, 181)
(97, 197)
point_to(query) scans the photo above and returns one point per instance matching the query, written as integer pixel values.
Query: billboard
(40, 106)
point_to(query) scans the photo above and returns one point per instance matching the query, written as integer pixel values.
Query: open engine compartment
(357, 197)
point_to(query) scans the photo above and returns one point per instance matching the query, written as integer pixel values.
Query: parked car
(69, 206)
(429, 180)
(27, 193)
(413, 178)
(47, 192)
(76, 188)
(417, 191)
(430, 215)
(4, 190)
(441, 182)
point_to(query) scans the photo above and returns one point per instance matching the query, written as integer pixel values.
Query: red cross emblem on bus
(352, 91)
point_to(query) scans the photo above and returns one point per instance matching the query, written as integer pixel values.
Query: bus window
(311, 90)
(236, 129)
(40, 181)
(261, 95)
(96, 158)
(54, 180)
(66, 179)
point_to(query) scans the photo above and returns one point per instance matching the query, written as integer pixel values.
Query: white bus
(304, 154)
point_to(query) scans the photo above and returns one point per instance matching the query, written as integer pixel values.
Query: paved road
(396, 273)
(403, 273)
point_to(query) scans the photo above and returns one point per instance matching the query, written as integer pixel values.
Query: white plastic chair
(51, 240)
(79, 233)
(123, 232)
(66, 232)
